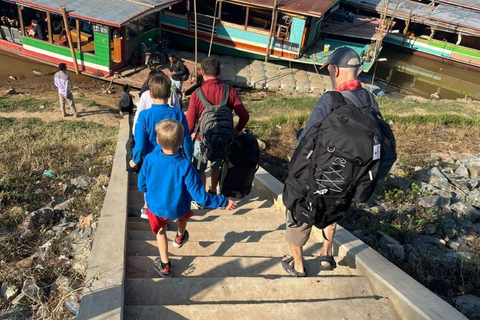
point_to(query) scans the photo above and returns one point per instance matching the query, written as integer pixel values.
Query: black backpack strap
(337, 98)
(202, 97)
(225, 95)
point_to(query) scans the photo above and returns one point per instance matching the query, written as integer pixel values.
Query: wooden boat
(105, 34)
(445, 30)
(296, 31)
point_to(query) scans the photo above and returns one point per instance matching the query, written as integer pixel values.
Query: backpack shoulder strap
(202, 97)
(226, 95)
(353, 98)
(337, 98)
(373, 102)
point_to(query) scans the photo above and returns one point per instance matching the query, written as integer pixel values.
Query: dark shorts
(157, 223)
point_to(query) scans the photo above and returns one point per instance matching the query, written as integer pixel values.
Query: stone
(8, 291)
(25, 263)
(42, 216)
(433, 202)
(80, 267)
(430, 229)
(455, 246)
(32, 291)
(73, 303)
(393, 247)
(17, 312)
(81, 182)
(469, 305)
(11, 91)
(471, 161)
(466, 211)
(474, 196)
(420, 174)
(474, 171)
(463, 171)
(436, 174)
(358, 234)
(63, 206)
(371, 241)
(448, 227)
(411, 255)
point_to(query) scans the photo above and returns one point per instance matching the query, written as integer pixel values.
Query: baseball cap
(344, 57)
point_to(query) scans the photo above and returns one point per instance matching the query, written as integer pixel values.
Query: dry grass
(69, 149)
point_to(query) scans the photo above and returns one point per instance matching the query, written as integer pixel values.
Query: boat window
(233, 13)
(283, 26)
(205, 7)
(147, 23)
(259, 18)
(180, 8)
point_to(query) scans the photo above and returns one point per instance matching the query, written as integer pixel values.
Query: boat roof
(446, 17)
(470, 4)
(109, 12)
(315, 8)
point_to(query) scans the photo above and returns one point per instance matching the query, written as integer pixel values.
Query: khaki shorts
(297, 236)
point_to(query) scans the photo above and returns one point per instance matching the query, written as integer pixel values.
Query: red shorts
(157, 223)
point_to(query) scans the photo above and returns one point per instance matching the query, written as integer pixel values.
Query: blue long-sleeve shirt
(170, 182)
(146, 136)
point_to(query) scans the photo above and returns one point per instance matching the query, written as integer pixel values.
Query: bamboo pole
(20, 17)
(69, 36)
(272, 28)
(213, 28)
(79, 36)
(50, 34)
(196, 52)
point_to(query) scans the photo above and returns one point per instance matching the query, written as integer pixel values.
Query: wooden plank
(20, 17)
(79, 39)
(50, 34)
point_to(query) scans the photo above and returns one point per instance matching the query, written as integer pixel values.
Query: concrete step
(338, 309)
(200, 290)
(268, 236)
(142, 267)
(218, 223)
(209, 248)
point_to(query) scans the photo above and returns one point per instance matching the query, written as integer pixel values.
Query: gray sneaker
(197, 205)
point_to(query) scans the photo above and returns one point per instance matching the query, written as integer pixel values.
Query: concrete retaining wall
(103, 292)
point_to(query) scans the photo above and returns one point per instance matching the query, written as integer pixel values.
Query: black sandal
(289, 265)
(330, 260)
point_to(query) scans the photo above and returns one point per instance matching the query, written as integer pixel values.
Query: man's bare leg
(327, 248)
(297, 254)
(215, 177)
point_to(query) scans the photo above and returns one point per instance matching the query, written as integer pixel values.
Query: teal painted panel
(102, 46)
(233, 33)
(296, 30)
(181, 23)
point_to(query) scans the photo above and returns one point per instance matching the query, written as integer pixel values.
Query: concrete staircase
(230, 268)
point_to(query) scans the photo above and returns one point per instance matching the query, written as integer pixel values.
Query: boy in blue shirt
(170, 181)
(145, 134)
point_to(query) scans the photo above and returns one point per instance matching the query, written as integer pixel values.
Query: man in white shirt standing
(62, 82)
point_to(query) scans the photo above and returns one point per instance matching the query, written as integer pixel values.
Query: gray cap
(344, 57)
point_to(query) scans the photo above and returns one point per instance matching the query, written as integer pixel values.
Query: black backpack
(338, 160)
(239, 172)
(186, 75)
(215, 127)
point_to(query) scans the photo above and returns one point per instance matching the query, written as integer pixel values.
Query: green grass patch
(24, 104)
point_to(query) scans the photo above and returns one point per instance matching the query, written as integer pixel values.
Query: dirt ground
(92, 103)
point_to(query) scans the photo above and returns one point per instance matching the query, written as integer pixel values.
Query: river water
(415, 74)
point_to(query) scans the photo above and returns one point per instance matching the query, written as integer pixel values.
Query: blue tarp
(109, 12)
